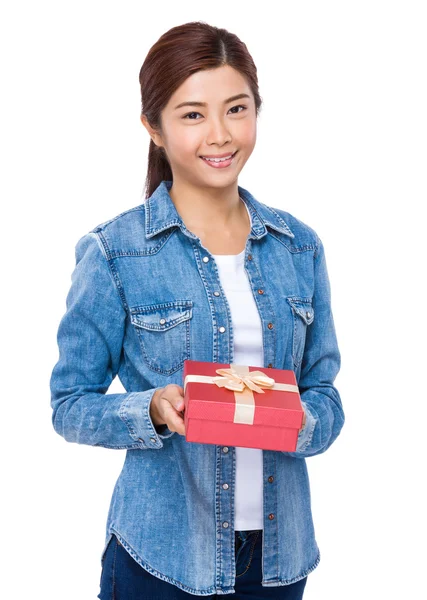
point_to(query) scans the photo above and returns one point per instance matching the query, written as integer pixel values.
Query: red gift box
(239, 405)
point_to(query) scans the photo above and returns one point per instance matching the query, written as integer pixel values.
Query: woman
(203, 271)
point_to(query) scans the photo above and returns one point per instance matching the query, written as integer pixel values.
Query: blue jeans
(122, 578)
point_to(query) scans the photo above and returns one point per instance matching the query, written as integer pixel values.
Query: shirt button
(205, 259)
(225, 524)
(222, 329)
(308, 313)
(225, 486)
(271, 516)
(271, 479)
(260, 291)
(270, 365)
(249, 256)
(216, 293)
(162, 321)
(225, 449)
(270, 325)
(152, 440)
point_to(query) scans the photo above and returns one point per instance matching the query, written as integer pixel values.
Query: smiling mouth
(220, 160)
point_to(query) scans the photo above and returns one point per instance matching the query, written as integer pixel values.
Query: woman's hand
(166, 408)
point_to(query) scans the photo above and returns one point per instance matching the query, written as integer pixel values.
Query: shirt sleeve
(90, 342)
(320, 364)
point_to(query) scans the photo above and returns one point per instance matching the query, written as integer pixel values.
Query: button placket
(264, 308)
(220, 314)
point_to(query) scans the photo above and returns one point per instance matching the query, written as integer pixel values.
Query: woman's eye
(197, 113)
(238, 106)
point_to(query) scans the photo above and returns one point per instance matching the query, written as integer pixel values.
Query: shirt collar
(161, 214)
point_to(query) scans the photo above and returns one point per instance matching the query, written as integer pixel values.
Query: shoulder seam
(102, 243)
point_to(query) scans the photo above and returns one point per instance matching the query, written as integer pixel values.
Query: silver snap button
(222, 329)
(162, 321)
(225, 486)
(216, 293)
(308, 313)
(225, 449)
(225, 524)
(152, 440)
(205, 259)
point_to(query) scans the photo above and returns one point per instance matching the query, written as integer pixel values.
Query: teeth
(218, 159)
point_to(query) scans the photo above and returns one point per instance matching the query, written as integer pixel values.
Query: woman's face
(220, 126)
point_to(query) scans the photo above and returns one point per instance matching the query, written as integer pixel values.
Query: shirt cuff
(305, 435)
(135, 412)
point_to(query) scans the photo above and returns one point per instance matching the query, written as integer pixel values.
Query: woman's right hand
(166, 408)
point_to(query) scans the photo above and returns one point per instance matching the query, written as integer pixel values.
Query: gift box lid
(275, 408)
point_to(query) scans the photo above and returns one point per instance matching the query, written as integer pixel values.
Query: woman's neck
(208, 208)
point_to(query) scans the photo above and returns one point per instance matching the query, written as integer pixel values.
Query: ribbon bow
(231, 380)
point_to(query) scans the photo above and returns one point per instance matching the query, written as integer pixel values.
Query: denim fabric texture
(122, 578)
(145, 296)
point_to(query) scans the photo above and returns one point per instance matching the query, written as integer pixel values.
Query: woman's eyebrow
(194, 103)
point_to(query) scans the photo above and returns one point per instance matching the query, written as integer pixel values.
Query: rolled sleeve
(135, 412)
(90, 340)
(320, 364)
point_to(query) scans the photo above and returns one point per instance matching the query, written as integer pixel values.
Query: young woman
(201, 270)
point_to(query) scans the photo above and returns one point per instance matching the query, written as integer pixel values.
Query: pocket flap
(161, 317)
(302, 307)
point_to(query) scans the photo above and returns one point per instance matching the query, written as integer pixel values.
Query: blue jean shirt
(145, 296)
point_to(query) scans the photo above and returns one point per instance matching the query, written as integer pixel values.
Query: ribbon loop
(254, 380)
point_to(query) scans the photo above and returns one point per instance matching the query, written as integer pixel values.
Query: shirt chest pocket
(164, 334)
(302, 317)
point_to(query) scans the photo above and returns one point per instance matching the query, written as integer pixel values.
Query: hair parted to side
(178, 53)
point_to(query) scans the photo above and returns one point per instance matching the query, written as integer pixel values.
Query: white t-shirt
(248, 350)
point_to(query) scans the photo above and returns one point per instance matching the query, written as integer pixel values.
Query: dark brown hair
(176, 55)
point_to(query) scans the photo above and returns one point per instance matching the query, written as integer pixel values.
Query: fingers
(171, 403)
(173, 419)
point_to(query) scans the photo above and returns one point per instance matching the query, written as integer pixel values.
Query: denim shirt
(145, 296)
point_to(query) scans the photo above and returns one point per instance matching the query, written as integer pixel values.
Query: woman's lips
(219, 165)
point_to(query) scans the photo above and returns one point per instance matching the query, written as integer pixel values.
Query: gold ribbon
(243, 383)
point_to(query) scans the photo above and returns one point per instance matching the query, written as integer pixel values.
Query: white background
(341, 145)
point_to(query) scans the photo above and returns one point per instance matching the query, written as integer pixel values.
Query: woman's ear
(155, 136)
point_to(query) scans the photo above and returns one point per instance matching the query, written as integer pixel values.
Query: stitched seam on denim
(215, 344)
(296, 315)
(295, 249)
(113, 271)
(295, 579)
(230, 330)
(159, 574)
(119, 253)
(123, 416)
(251, 554)
(288, 230)
(318, 244)
(121, 447)
(152, 366)
(304, 446)
(147, 308)
(269, 306)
